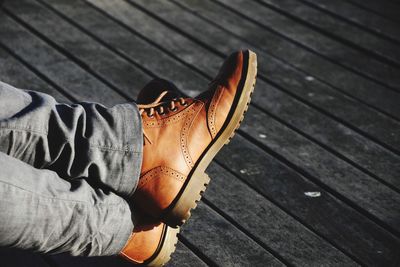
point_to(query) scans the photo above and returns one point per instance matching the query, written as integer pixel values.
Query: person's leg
(40, 211)
(84, 140)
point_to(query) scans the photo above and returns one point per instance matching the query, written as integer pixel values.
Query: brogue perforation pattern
(185, 133)
(159, 172)
(212, 111)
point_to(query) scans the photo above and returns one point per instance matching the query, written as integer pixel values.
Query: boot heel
(169, 247)
(181, 210)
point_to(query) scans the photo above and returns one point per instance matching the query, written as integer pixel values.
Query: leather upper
(175, 139)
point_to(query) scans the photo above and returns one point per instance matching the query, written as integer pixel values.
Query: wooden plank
(325, 47)
(85, 47)
(19, 258)
(137, 48)
(221, 243)
(336, 29)
(326, 215)
(326, 131)
(183, 256)
(297, 245)
(97, 56)
(317, 43)
(359, 17)
(54, 65)
(364, 192)
(16, 74)
(312, 92)
(386, 10)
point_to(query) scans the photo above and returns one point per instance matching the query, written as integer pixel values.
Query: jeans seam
(124, 149)
(110, 148)
(125, 143)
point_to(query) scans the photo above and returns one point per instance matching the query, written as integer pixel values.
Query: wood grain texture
(264, 220)
(331, 49)
(387, 10)
(54, 65)
(338, 30)
(359, 17)
(364, 191)
(14, 72)
(326, 215)
(222, 243)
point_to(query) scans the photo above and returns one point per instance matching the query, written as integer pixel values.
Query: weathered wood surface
(339, 30)
(322, 119)
(359, 17)
(386, 9)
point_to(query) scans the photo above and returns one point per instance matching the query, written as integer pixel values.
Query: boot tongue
(158, 89)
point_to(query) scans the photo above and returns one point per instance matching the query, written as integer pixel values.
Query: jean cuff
(132, 160)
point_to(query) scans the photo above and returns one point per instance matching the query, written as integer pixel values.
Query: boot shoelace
(159, 107)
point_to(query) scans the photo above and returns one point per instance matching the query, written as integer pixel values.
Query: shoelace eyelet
(174, 109)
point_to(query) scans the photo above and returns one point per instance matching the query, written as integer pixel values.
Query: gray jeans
(64, 173)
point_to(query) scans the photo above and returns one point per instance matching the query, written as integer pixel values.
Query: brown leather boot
(151, 243)
(182, 136)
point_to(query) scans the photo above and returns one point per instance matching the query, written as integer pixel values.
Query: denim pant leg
(84, 140)
(40, 211)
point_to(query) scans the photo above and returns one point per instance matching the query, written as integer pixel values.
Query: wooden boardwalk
(312, 177)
